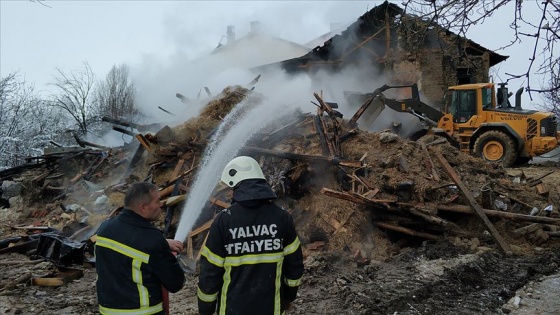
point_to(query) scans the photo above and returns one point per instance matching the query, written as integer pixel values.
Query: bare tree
(27, 124)
(552, 97)
(15, 102)
(75, 95)
(115, 95)
(544, 30)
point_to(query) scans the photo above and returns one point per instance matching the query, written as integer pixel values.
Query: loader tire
(496, 146)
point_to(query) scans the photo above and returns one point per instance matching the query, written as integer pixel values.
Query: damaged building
(388, 42)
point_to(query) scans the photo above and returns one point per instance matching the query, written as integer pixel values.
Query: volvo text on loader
(477, 120)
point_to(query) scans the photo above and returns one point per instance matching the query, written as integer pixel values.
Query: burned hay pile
(347, 189)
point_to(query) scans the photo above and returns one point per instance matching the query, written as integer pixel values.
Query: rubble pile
(347, 189)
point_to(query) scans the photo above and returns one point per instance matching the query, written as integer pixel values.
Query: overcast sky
(37, 38)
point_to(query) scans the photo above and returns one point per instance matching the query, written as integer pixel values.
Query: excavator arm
(377, 99)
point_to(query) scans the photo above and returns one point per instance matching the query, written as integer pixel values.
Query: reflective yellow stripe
(206, 297)
(292, 283)
(123, 249)
(137, 278)
(225, 286)
(140, 311)
(292, 247)
(254, 259)
(278, 284)
(138, 258)
(213, 258)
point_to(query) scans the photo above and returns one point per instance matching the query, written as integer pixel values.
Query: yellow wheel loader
(477, 119)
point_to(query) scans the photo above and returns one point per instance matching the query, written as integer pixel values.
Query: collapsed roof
(375, 34)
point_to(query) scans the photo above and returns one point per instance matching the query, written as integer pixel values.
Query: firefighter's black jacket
(133, 261)
(252, 261)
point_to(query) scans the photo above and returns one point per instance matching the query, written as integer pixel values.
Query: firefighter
(252, 262)
(133, 258)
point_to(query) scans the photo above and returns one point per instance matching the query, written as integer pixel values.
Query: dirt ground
(361, 268)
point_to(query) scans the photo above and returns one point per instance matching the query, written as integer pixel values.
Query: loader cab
(465, 101)
(461, 104)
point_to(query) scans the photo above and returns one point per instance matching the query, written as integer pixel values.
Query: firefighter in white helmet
(252, 261)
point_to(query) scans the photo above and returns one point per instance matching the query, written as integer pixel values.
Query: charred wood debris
(415, 190)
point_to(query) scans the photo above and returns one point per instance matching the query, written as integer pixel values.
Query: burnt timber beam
(334, 142)
(473, 204)
(500, 214)
(122, 130)
(321, 133)
(165, 110)
(119, 122)
(144, 142)
(406, 231)
(378, 203)
(303, 157)
(124, 123)
(83, 143)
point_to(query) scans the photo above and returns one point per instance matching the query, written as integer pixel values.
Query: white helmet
(241, 168)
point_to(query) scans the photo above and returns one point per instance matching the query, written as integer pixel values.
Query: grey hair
(138, 193)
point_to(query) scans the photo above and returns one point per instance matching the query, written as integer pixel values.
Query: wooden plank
(47, 282)
(173, 200)
(429, 162)
(473, 204)
(202, 246)
(30, 227)
(219, 203)
(178, 168)
(335, 139)
(126, 132)
(348, 134)
(201, 228)
(366, 182)
(356, 198)
(541, 190)
(164, 192)
(326, 107)
(527, 229)
(501, 214)
(447, 226)
(359, 180)
(371, 193)
(43, 175)
(537, 180)
(343, 223)
(60, 277)
(331, 221)
(406, 231)
(144, 142)
(183, 174)
(321, 134)
(321, 127)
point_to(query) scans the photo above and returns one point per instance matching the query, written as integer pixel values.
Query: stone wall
(435, 66)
